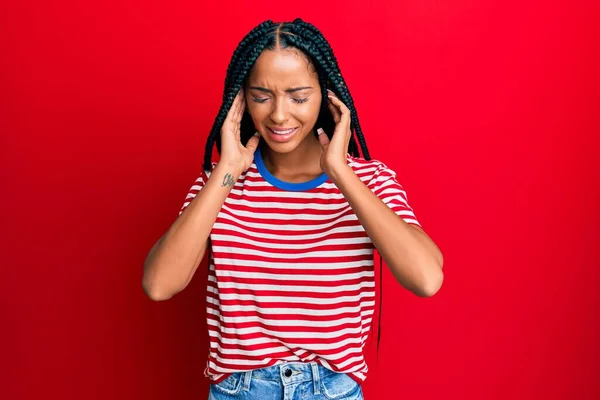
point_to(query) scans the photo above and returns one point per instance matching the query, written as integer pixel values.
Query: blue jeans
(287, 381)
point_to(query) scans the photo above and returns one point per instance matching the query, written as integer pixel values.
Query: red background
(488, 111)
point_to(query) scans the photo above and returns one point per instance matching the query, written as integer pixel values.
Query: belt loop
(316, 377)
(247, 378)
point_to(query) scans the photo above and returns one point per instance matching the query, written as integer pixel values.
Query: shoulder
(359, 162)
(372, 167)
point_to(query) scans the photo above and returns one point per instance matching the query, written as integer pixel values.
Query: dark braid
(315, 35)
(242, 60)
(242, 46)
(245, 63)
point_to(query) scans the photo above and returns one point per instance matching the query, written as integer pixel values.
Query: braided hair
(310, 41)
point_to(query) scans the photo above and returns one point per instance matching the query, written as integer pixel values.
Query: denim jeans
(287, 381)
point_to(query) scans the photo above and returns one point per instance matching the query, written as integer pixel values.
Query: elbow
(155, 292)
(157, 295)
(432, 284)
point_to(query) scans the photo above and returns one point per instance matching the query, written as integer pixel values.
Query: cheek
(257, 113)
(309, 113)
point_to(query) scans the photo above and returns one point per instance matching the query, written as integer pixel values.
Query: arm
(414, 259)
(174, 258)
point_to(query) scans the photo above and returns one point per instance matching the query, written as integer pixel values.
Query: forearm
(415, 261)
(173, 260)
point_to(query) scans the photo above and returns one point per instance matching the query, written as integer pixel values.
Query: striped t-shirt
(291, 274)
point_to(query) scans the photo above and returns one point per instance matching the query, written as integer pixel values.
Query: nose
(279, 115)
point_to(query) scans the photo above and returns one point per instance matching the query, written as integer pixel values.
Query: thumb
(253, 142)
(323, 139)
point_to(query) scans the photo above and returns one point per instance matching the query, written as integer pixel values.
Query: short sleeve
(385, 186)
(196, 187)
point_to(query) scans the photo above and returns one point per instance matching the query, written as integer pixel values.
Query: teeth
(283, 132)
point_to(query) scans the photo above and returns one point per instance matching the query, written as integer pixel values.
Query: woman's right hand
(233, 152)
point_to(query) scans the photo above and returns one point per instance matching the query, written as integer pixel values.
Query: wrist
(226, 175)
(338, 172)
(229, 167)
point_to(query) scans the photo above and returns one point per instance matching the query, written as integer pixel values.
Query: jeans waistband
(288, 373)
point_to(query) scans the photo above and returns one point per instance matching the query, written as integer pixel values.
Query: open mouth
(281, 135)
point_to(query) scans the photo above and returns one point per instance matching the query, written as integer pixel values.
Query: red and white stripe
(291, 274)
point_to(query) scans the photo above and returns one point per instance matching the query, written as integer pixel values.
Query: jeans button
(288, 372)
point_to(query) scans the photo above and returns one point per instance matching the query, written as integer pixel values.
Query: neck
(304, 159)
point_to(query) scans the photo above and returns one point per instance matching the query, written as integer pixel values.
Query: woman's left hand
(335, 150)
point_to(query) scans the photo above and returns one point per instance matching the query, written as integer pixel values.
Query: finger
(334, 105)
(231, 113)
(323, 139)
(337, 115)
(241, 105)
(340, 104)
(345, 112)
(253, 142)
(345, 117)
(234, 110)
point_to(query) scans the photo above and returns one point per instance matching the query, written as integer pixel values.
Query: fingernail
(256, 134)
(330, 91)
(319, 131)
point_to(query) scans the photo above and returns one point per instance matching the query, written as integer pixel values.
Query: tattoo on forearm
(228, 180)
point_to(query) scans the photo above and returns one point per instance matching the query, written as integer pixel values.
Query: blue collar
(291, 186)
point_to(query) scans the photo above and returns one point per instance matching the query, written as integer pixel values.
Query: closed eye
(299, 101)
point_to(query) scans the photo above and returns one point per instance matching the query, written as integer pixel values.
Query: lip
(282, 129)
(282, 138)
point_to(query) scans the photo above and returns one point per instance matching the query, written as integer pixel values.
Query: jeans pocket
(338, 386)
(232, 385)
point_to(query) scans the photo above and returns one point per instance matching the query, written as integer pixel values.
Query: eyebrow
(290, 90)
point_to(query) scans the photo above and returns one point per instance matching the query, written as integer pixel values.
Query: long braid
(340, 87)
(233, 82)
(245, 64)
(254, 34)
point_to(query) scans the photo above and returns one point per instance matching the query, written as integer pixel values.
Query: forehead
(281, 68)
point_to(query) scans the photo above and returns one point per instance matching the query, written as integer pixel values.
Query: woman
(291, 214)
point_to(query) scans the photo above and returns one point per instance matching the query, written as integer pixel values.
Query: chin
(283, 148)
